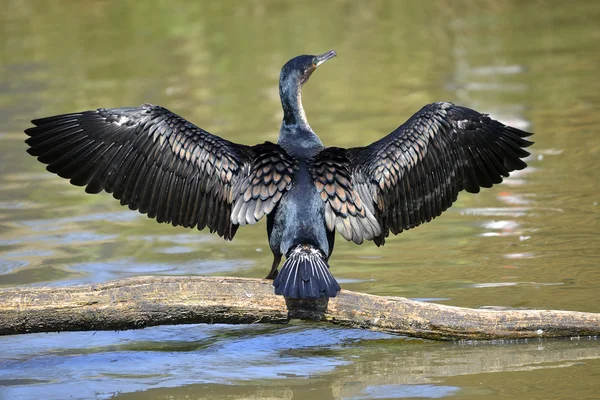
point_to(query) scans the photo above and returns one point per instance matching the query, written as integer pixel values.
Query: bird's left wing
(156, 161)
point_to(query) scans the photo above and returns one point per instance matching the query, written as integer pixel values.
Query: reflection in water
(276, 361)
(530, 243)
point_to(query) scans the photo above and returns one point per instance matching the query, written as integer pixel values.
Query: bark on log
(148, 301)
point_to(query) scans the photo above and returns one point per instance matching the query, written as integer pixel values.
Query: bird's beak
(325, 56)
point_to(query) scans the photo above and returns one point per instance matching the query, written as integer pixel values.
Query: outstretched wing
(415, 173)
(158, 163)
(344, 208)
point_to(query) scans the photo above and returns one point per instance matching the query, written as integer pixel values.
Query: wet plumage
(154, 161)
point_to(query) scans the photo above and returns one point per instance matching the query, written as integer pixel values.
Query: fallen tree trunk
(148, 301)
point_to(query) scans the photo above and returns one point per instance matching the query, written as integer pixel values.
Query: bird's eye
(314, 63)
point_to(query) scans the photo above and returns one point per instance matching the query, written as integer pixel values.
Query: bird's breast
(300, 216)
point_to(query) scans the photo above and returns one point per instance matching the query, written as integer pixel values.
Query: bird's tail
(305, 275)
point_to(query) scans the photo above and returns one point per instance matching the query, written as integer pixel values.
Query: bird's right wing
(156, 161)
(415, 173)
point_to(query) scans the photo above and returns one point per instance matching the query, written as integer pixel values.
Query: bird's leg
(276, 261)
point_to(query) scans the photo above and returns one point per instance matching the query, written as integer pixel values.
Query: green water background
(531, 242)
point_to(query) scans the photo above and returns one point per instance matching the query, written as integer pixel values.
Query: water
(531, 242)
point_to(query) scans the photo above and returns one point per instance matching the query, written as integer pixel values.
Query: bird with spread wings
(155, 161)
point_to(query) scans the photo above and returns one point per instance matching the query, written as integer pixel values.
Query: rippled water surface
(531, 242)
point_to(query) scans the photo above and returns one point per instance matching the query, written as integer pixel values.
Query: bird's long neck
(296, 135)
(290, 92)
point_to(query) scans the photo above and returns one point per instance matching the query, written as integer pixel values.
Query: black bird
(156, 162)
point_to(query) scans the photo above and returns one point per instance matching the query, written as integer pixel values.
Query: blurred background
(531, 242)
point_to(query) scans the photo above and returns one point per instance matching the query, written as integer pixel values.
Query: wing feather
(156, 162)
(344, 210)
(416, 172)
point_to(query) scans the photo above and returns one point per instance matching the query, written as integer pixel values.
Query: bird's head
(296, 72)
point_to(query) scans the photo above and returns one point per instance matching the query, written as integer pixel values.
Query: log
(140, 302)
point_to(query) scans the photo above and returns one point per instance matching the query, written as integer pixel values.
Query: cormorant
(156, 162)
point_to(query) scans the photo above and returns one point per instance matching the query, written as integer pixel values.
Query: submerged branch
(148, 301)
